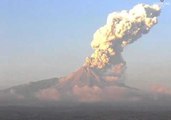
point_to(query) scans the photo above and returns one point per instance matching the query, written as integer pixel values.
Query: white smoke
(121, 29)
(96, 80)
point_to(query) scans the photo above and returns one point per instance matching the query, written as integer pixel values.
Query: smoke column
(102, 75)
(122, 28)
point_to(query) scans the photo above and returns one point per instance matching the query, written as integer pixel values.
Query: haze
(43, 39)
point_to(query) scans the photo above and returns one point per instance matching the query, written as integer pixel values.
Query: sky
(41, 39)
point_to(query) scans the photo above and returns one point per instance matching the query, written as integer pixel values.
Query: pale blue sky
(50, 38)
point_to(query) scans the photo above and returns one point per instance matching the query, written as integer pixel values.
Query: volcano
(83, 85)
(87, 76)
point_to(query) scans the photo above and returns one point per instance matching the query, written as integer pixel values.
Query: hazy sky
(41, 39)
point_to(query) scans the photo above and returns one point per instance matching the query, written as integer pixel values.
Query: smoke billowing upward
(102, 75)
(122, 28)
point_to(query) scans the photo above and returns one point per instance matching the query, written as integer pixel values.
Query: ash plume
(122, 28)
(102, 75)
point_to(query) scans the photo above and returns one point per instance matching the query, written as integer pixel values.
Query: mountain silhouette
(82, 85)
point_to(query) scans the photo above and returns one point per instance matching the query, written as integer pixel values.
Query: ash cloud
(101, 78)
(122, 28)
